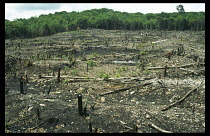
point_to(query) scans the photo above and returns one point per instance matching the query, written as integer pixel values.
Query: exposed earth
(127, 80)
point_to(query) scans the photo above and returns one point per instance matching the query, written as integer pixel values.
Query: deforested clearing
(130, 81)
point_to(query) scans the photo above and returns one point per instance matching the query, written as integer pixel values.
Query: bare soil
(94, 62)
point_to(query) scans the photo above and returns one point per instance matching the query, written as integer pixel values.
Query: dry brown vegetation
(127, 83)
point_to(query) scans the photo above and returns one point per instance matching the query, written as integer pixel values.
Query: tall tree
(180, 8)
(104, 19)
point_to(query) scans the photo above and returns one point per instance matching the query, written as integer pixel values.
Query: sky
(27, 10)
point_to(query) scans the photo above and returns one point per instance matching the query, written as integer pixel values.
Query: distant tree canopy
(103, 19)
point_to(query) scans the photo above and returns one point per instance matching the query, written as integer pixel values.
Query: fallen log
(124, 89)
(180, 100)
(182, 66)
(69, 77)
(99, 79)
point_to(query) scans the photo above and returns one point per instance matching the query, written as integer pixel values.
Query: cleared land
(127, 79)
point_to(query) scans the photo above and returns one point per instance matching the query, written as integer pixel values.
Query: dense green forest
(103, 19)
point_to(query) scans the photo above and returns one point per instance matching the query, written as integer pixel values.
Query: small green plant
(140, 46)
(116, 114)
(65, 81)
(103, 75)
(106, 76)
(147, 72)
(38, 57)
(74, 72)
(142, 53)
(117, 75)
(15, 69)
(141, 65)
(67, 69)
(63, 56)
(203, 41)
(95, 54)
(120, 71)
(91, 63)
(160, 48)
(70, 57)
(123, 69)
(134, 73)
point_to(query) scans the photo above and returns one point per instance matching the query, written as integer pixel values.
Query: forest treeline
(103, 19)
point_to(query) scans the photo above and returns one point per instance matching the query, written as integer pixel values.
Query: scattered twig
(127, 127)
(38, 125)
(180, 100)
(90, 94)
(159, 129)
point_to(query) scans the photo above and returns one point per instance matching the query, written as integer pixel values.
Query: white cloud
(17, 10)
(34, 6)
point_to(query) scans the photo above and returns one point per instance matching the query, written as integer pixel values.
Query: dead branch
(182, 66)
(180, 100)
(90, 94)
(34, 71)
(124, 89)
(127, 127)
(159, 129)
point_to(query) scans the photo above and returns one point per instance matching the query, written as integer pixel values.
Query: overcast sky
(27, 10)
